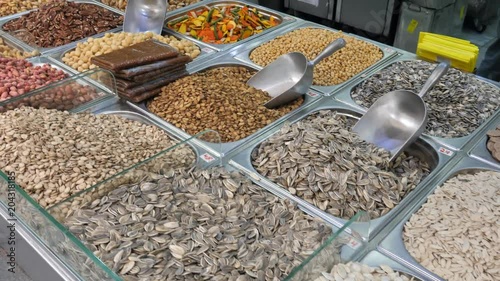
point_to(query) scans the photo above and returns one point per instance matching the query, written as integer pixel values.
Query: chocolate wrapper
(171, 63)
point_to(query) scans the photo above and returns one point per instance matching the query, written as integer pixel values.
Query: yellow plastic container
(460, 53)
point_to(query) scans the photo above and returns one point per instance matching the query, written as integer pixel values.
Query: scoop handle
(436, 74)
(328, 51)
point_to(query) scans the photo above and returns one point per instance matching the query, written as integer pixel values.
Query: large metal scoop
(398, 118)
(290, 76)
(145, 15)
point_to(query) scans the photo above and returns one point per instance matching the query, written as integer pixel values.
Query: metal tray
(224, 148)
(424, 148)
(100, 1)
(103, 93)
(388, 53)
(393, 245)
(344, 96)
(54, 49)
(206, 51)
(15, 44)
(480, 152)
(284, 19)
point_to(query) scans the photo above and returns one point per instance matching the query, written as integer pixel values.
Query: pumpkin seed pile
(196, 225)
(321, 161)
(456, 106)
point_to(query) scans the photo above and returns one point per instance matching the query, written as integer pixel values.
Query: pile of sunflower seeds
(192, 224)
(457, 105)
(321, 161)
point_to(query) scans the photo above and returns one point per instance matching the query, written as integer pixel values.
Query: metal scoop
(290, 76)
(145, 15)
(398, 118)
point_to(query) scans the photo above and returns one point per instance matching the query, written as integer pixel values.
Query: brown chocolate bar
(138, 54)
(149, 90)
(141, 87)
(144, 78)
(167, 64)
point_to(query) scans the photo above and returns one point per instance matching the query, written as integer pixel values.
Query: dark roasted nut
(60, 22)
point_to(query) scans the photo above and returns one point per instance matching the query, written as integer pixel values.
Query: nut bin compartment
(28, 39)
(273, 161)
(120, 144)
(10, 48)
(345, 256)
(245, 123)
(164, 215)
(75, 93)
(358, 57)
(223, 6)
(461, 104)
(79, 63)
(480, 150)
(449, 242)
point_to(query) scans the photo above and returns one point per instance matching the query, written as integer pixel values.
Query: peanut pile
(56, 154)
(18, 76)
(9, 7)
(217, 99)
(355, 57)
(79, 58)
(8, 51)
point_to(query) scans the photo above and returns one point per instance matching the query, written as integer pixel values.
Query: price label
(445, 151)
(207, 50)
(207, 157)
(353, 243)
(312, 94)
(412, 26)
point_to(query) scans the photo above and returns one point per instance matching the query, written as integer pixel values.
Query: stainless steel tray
(100, 1)
(393, 245)
(283, 18)
(425, 148)
(224, 148)
(344, 96)
(15, 44)
(479, 151)
(388, 53)
(54, 49)
(206, 51)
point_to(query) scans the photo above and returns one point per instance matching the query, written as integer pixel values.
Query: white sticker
(445, 151)
(207, 157)
(390, 51)
(312, 94)
(315, 3)
(353, 243)
(207, 50)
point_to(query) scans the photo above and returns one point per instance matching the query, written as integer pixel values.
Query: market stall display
(217, 99)
(456, 106)
(172, 4)
(455, 233)
(9, 7)
(19, 76)
(356, 56)
(321, 161)
(191, 224)
(493, 144)
(56, 154)
(9, 51)
(60, 22)
(80, 57)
